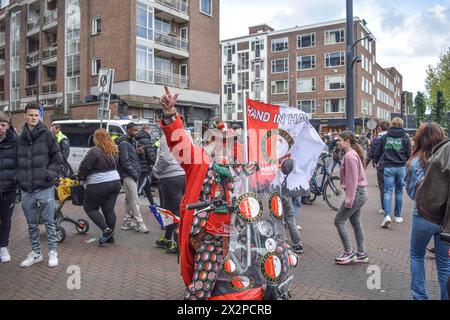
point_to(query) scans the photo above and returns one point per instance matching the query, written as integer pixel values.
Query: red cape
(180, 143)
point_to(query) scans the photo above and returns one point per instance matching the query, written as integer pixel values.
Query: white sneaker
(52, 259)
(381, 211)
(31, 259)
(141, 228)
(4, 255)
(386, 222)
(299, 227)
(398, 219)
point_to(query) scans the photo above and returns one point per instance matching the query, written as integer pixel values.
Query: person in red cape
(203, 237)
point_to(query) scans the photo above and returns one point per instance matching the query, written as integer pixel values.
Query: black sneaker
(298, 249)
(111, 240)
(107, 234)
(163, 242)
(172, 248)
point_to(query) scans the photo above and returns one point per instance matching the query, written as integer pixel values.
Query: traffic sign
(105, 81)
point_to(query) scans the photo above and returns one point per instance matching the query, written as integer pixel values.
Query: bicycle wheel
(333, 193)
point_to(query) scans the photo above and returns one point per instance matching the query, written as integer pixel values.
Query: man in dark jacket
(40, 163)
(148, 159)
(384, 127)
(395, 148)
(64, 145)
(8, 171)
(130, 171)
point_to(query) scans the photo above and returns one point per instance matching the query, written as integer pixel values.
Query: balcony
(2, 96)
(2, 67)
(178, 8)
(171, 79)
(50, 16)
(176, 46)
(49, 54)
(31, 91)
(32, 26)
(33, 57)
(2, 39)
(50, 87)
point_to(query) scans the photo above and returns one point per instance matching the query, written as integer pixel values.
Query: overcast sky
(411, 34)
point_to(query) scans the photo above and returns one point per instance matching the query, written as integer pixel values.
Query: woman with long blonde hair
(99, 169)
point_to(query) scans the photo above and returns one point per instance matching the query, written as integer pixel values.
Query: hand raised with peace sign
(168, 101)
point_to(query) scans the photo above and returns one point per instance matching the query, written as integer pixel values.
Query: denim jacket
(414, 175)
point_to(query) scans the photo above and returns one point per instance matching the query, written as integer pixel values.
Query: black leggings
(172, 190)
(380, 178)
(104, 196)
(7, 202)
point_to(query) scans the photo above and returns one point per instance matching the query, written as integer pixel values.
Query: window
(335, 59)
(306, 85)
(206, 7)
(306, 41)
(306, 63)
(280, 103)
(307, 106)
(229, 89)
(96, 65)
(279, 45)
(228, 52)
(334, 36)
(183, 70)
(334, 105)
(335, 82)
(257, 48)
(243, 81)
(280, 87)
(257, 88)
(144, 64)
(96, 26)
(229, 70)
(163, 25)
(280, 65)
(144, 21)
(243, 61)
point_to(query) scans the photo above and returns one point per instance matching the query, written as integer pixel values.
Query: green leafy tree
(438, 79)
(420, 106)
(439, 113)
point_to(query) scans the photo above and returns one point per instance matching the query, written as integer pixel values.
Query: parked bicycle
(330, 187)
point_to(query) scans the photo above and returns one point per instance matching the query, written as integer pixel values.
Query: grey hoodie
(166, 166)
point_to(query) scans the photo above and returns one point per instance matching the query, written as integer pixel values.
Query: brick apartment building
(305, 67)
(52, 50)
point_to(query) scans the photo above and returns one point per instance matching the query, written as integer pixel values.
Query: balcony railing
(32, 24)
(50, 16)
(33, 57)
(31, 91)
(49, 52)
(2, 96)
(177, 5)
(49, 87)
(171, 79)
(170, 41)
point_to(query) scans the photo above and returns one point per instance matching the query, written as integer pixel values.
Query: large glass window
(280, 87)
(206, 6)
(335, 82)
(281, 44)
(14, 61)
(335, 59)
(306, 85)
(306, 62)
(243, 61)
(144, 21)
(144, 64)
(72, 52)
(306, 40)
(334, 36)
(162, 25)
(334, 105)
(307, 106)
(280, 65)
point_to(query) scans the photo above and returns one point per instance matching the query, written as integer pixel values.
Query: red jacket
(178, 140)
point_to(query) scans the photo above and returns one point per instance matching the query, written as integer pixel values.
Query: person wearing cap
(64, 144)
(8, 172)
(130, 171)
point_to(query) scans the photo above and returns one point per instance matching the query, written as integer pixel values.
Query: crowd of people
(33, 161)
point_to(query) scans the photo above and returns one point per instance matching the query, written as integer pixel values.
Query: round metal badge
(271, 266)
(229, 266)
(276, 206)
(271, 245)
(240, 283)
(249, 207)
(265, 229)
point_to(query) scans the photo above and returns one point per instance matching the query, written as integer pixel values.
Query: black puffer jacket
(129, 161)
(8, 162)
(39, 158)
(148, 158)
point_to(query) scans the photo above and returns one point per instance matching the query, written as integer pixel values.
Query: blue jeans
(297, 205)
(394, 177)
(40, 202)
(421, 233)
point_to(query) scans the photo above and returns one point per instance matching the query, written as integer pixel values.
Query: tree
(439, 113)
(420, 106)
(409, 103)
(438, 79)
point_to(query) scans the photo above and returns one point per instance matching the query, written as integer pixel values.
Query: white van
(81, 133)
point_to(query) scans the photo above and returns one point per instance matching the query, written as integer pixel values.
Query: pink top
(353, 176)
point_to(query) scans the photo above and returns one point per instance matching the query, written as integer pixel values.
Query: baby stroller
(63, 194)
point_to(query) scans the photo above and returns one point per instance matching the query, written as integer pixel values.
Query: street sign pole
(105, 85)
